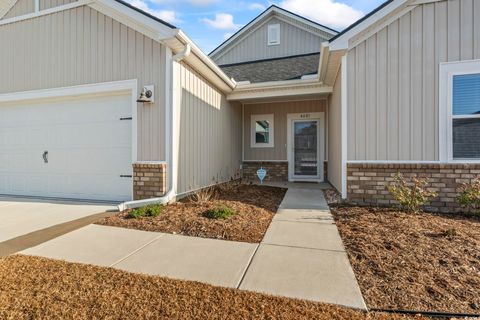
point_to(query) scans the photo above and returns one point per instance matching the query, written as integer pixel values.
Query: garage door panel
(88, 146)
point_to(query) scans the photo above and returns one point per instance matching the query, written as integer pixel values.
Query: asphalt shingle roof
(288, 68)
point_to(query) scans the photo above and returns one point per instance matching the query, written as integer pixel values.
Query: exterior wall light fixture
(147, 95)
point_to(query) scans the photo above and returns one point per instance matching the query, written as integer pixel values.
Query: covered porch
(286, 130)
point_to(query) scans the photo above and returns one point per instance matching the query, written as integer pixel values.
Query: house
(100, 100)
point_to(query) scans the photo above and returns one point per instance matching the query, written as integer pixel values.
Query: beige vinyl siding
(293, 41)
(335, 135)
(82, 46)
(393, 80)
(210, 134)
(20, 8)
(280, 111)
(47, 4)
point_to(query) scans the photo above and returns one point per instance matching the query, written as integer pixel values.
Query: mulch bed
(254, 205)
(424, 262)
(38, 288)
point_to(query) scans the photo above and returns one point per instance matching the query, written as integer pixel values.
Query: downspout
(172, 100)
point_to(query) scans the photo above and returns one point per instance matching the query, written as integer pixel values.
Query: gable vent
(273, 34)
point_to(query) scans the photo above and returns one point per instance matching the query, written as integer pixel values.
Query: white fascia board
(265, 14)
(308, 89)
(133, 19)
(241, 32)
(45, 12)
(342, 42)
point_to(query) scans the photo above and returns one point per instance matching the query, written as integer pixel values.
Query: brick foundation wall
(367, 183)
(276, 171)
(149, 180)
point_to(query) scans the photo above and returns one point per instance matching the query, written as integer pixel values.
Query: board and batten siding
(393, 80)
(254, 46)
(210, 149)
(335, 134)
(279, 111)
(82, 46)
(20, 8)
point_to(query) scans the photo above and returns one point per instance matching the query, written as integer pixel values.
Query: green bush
(152, 210)
(411, 196)
(469, 197)
(219, 213)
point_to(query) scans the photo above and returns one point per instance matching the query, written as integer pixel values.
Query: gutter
(205, 59)
(171, 134)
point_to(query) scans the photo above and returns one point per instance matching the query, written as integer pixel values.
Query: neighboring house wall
(21, 8)
(210, 148)
(393, 81)
(280, 111)
(335, 135)
(82, 46)
(253, 45)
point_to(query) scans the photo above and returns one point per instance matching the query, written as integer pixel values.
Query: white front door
(79, 148)
(305, 146)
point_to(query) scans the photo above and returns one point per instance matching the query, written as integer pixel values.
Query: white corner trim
(39, 13)
(37, 5)
(344, 124)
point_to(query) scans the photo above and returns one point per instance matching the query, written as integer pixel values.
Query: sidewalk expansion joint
(298, 247)
(248, 266)
(136, 250)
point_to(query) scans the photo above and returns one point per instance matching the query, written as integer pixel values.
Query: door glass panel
(305, 148)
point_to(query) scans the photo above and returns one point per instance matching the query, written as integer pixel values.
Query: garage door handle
(45, 157)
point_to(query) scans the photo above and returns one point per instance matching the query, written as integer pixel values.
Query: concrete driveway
(24, 219)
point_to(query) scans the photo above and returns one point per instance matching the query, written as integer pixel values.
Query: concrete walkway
(301, 256)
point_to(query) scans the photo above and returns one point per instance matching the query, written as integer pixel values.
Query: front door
(305, 146)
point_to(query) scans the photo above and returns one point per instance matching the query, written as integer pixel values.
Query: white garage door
(75, 148)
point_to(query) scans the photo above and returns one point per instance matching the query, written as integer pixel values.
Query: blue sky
(210, 22)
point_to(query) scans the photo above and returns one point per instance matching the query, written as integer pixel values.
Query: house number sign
(305, 115)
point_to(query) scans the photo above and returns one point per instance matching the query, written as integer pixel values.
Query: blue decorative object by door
(261, 174)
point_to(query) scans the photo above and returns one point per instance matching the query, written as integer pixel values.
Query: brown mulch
(38, 288)
(254, 205)
(424, 262)
(332, 196)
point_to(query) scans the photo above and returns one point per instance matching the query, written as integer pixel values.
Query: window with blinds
(466, 116)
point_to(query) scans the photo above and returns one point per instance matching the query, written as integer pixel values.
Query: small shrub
(203, 195)
(219, 213)
(410, 196)
(153, 210)
(469, 197)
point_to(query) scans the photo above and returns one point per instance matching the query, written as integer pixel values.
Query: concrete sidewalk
(301, 256)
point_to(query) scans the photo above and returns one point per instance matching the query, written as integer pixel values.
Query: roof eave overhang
(279, 89)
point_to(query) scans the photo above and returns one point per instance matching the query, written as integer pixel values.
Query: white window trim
(269, 41)
(447, 71)
(259, 117)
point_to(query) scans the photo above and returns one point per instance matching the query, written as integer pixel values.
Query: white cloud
(257, 6)
(166, 15)
(328, 12)
(222, 21)
(202, 2)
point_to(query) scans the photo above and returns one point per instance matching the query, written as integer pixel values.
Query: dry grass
(37, 288)
(254, 208)
(422, 262)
